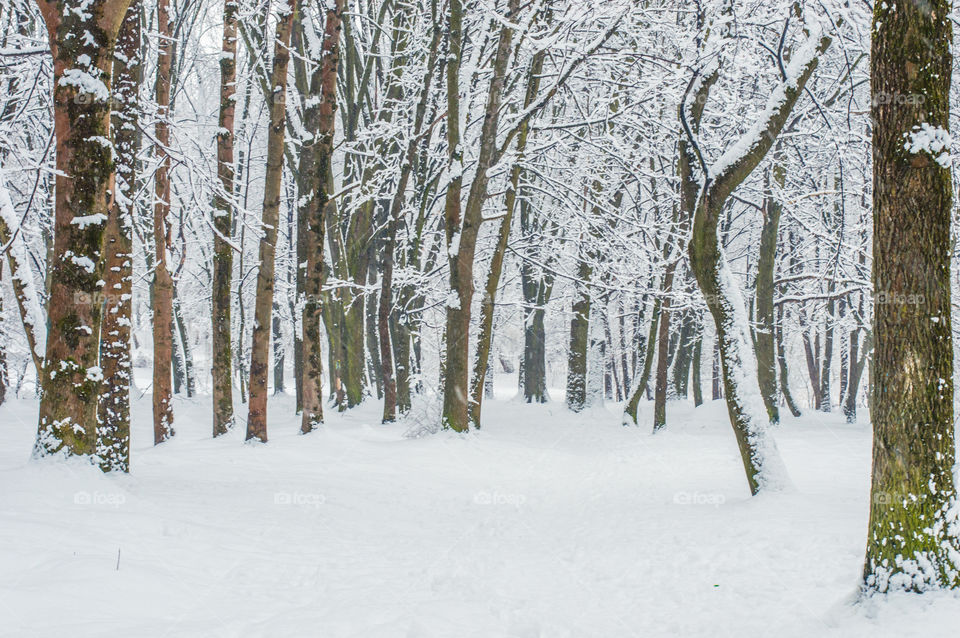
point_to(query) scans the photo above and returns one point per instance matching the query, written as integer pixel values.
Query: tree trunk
(463, 224)
(697, 359)
(642, 380)
(577, 367)
(748, 417)
(85, 178)
(222, 347)
(279, 358)
(162, 282)
(113, 413)
(782, 363)
(912, 539)
(765, 341)
(488, 305)
(263, 308)
(316, 223)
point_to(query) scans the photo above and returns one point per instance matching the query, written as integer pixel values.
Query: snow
(544, 524)
(932, 140)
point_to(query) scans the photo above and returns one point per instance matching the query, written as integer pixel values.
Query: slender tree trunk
(642, 380)
(222, 346)
(912, 537)
(84, 183)
(765, 341)
(263, 308)
(782, 363)
(279, 358)
(163, 282)
(697, 360)
(577, 367)
(316, 224)
(488, 305)
(113, 413)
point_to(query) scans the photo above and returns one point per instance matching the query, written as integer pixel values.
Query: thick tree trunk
(263, 308)
(84, 184)
(222, 347)
(113, 413)
(163, 281)
(912, 538)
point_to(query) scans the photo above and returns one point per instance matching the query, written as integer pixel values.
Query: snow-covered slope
(543, 524)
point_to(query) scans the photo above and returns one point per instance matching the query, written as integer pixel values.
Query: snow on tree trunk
(748, 415)
(82, 44)
(113, 414)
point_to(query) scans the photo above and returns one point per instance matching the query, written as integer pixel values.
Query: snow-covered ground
(543, 524)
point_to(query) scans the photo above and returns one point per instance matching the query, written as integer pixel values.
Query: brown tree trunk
(113, 413)
(222, 350)
(316, 223)
(163, 282)
(263, 308)
(84, 185)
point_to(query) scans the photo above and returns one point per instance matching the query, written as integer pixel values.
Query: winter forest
(526, 318)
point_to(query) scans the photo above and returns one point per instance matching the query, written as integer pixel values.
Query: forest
(478, 317)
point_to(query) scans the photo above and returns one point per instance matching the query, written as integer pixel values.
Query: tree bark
(222, 346)
(82, 45)
(316, 222)
(113, 412)
(749, 420)
(912, 539)
(263, 308)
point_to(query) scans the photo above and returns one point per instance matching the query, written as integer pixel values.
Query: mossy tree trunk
(82, 45)
(912, 535)
(766, 262)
